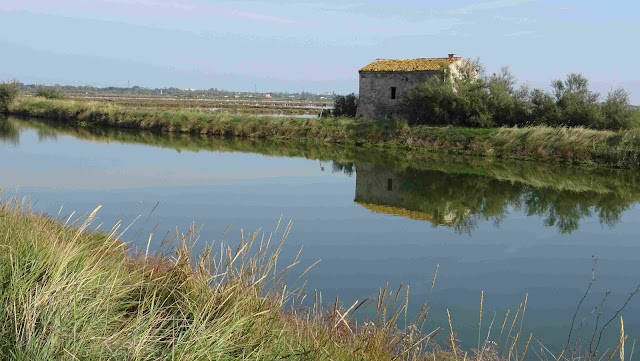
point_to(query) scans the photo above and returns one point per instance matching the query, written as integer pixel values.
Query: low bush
(49, 92)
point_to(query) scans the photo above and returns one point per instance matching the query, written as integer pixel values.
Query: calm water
(372, 218)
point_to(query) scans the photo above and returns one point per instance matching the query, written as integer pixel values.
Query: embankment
(573, 145)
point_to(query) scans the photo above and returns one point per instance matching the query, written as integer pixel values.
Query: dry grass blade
(526, 347)
(452, 338)
(480, 320)
(622, 339)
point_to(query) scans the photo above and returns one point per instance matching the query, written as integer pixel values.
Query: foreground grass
(574, 145)
(69, 294)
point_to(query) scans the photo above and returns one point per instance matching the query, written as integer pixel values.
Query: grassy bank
(467, 190)
(67, 293)
(574, 145)
(555, 176)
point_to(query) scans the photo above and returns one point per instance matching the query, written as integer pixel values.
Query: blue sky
(308, 44)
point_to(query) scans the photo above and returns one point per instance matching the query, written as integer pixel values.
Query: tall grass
(69, 291)
(574, 145)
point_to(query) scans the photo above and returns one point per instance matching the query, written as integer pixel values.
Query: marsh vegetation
(574, 145)
(71, 291)
(475, 99)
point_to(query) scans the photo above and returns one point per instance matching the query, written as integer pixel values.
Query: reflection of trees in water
(346, 168)
(9, 133)
(461, 200)
(47, 134)
(564, 209)
(445, 191)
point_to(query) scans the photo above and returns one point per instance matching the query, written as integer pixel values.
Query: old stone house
(384, 83)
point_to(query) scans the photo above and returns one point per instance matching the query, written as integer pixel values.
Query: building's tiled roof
(420, 64)
(376, 208)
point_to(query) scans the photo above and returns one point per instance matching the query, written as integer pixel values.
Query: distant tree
(577, 104)
(8, 92)
(49, 92)
(544, 110)
(577, 86)
(617, 112)
(345, 106)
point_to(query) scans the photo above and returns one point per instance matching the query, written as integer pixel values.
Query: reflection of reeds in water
(561, 194)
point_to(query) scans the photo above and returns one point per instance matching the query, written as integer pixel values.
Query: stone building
(384, 82)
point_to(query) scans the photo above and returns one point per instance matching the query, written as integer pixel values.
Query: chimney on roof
(452, 56)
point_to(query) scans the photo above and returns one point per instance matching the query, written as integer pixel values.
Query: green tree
(617, 112)
(8, 92)
(544, 110)
(345, 106)
(49, 92)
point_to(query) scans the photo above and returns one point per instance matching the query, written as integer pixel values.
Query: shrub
(543, 109)
(8, 92)
(49, 92)
(433, 103)
(494, 101)
(617, 112)
(345, 106)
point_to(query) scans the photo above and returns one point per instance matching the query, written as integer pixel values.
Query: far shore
(620, 149)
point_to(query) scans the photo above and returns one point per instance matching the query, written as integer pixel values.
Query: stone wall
(375, 92)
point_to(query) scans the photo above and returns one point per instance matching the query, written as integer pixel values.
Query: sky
(310, 45)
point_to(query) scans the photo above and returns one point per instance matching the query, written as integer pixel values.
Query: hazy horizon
(309, 45)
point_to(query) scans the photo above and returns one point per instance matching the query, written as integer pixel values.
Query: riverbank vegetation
(536, 174)
(70, 291)
(455, 191)
(474, 99)
(575, 145)
(50, 92)
(8, 93)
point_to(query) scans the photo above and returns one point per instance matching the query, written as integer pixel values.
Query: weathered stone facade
(376, 101)
(385, 82)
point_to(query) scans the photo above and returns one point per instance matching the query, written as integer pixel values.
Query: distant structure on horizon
(384, 82)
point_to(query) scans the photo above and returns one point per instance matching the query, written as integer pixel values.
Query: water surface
(506, 228)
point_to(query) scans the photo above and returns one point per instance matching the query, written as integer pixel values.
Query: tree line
(471, 98)
(474, 99)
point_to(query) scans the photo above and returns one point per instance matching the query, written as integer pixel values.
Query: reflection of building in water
(382, 190)
(462, 199)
